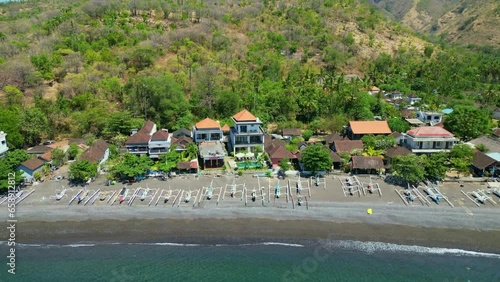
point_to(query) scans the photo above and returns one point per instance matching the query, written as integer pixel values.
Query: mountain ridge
(458, 21)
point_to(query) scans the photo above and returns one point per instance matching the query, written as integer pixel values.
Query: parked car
(48, 142)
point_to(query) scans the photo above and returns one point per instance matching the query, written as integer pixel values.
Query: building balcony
(247, 132)
(429, 150)
(158, 151)
(249, 142)
(137, 150)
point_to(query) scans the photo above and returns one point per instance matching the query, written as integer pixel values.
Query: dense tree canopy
(461, 156)
(82, 171)
(8, 166)
(409, 168)
(316, 158)
(80, 67)
(131, 166)
(468, 122)
(398, 125)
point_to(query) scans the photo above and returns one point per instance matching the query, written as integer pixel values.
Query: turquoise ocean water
(310, 261)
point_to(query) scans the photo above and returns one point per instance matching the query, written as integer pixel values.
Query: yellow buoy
(369, 211)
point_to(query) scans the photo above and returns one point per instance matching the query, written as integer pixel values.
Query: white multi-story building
(159, 144)
(207, 130)
(428, 139)
(247, 133)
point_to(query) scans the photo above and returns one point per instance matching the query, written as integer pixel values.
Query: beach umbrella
(239, 155)
(249, 155)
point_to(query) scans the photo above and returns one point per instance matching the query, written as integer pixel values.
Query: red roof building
(428, 139)
(429, 131)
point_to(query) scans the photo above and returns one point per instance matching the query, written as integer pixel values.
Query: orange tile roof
(370, 127)
(226, 128)
(207, 123)
(47, 156)
(244, 115)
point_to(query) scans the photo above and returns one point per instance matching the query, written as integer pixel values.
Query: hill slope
(461, 21)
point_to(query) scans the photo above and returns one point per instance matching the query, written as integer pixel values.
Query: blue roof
(447, 111)
(495, 156)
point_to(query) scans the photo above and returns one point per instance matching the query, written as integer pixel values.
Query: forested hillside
(74, 68)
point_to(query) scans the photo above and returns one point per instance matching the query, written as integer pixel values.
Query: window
(243, 128)
(436, 117)
(255, 139)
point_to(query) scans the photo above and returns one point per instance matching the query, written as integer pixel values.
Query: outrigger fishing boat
(144, 194)
(61, 195)
(82, 196)
(123, 194)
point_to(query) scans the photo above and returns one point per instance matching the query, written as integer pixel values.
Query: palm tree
(371, 152)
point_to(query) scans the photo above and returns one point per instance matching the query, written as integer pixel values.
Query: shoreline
(239, 231)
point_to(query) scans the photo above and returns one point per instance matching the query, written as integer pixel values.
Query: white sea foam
(78, 245)
(367, 247)
(166, 244)
(373, 247)
(280, 244)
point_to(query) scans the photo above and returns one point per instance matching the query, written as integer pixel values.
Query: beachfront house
(428, 139)
(357, 129)
(30, 167)
(3, 144)
(212, 154)
(159, 144)
(207, 130)
(187, 167)
(364, 164)
(431, 118)
(278, 153)
(97, 153)
(138, 143)
(246, 134)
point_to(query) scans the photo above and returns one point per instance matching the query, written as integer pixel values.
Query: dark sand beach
(234, 231)
(330, 216)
